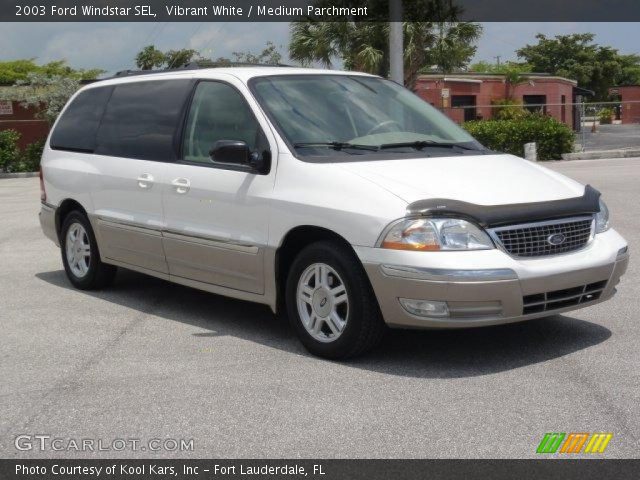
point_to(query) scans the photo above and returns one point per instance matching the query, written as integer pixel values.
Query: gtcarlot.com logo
(42, 443)
(574, 442)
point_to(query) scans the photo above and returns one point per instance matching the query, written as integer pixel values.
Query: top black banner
(319, 10)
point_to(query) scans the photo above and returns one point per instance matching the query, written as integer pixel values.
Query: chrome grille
(536, 239)
(549, 301)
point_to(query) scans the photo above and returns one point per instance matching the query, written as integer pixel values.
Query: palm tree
(454, 45)
(364, 46)
(512, 78)
(360, 46)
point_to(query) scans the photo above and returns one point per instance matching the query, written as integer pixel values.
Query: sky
(113, 46)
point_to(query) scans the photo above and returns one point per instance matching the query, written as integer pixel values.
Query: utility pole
(497, 57)
(396, 47)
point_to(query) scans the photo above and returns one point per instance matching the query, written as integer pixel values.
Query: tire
(84, 270)
(339, 316)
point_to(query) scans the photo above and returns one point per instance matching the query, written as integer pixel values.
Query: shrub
(14, 160)
(605, 116)
(9, 151)
(32, 155)
(509, 136)
(508, 109)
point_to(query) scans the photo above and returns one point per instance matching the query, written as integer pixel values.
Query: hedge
(14, 160)
(553, 138)
(9, 151)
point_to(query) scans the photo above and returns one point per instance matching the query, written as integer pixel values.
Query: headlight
(602, 218)
(432, 234)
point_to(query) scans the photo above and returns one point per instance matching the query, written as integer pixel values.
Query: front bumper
(489, 287)
(48, 222)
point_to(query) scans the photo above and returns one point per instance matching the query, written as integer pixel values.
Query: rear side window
(142, 118)
(76, 130)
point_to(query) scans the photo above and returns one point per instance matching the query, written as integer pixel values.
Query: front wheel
(330, 302)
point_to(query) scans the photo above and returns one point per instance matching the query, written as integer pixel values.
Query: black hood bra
(498, 215)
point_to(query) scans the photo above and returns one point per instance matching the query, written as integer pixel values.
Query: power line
(213, 37)
(171, 65)
(150, 38)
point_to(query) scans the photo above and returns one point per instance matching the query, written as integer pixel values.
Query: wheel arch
(67, 206)
(293, 243)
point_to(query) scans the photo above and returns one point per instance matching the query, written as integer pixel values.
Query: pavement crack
(73, 380)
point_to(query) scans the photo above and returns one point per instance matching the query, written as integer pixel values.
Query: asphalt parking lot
(611, 137)
(148, 359)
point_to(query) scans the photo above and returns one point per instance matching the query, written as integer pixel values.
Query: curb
(601, 154)
(19, 175)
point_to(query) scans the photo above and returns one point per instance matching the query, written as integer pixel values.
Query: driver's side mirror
(230, 151)
(236, 152)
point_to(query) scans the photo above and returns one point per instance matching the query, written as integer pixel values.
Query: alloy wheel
(323, 304)
(78, 250)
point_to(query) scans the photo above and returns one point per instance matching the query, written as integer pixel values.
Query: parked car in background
(339, 198)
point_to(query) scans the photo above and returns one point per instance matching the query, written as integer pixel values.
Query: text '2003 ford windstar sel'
(339, 198)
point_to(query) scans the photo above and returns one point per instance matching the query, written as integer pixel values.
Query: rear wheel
(80, 255)
(330, 302)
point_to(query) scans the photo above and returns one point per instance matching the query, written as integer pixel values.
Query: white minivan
(338, 198)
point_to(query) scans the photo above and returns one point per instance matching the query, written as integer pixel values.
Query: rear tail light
(43, 193)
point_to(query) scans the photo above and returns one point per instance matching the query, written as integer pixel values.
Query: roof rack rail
(129, 73)
(197, 65)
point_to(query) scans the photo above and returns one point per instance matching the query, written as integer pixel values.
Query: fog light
(623, 251)
(425, 308)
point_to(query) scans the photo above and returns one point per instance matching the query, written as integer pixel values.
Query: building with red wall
(468, 96)
(24, 120)
(629, 96)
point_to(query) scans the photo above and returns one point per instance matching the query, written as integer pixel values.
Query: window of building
(468, 103)
(535, 103)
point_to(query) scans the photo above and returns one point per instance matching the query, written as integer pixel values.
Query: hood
(481, 179)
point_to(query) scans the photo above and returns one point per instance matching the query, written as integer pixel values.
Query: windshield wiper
(336, 145)
(420, 144)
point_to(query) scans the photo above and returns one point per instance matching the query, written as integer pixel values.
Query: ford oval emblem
(556, 239)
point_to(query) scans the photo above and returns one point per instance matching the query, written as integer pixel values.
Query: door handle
(182, 185)
(145, 180)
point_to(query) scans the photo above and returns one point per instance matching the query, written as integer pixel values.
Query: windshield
(328, 115)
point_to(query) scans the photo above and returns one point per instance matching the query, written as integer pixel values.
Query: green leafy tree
(149, 58)
(630, 74)
(14, 70)
(178, 58)
(576, 56)
(514, 74)
(453, 45)
(505, 67)
(513, 78)
(363, 46)
(45, 93)
(270, 55)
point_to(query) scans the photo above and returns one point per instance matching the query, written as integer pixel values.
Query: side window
(141, 119)
(219, 112)
(76, 130)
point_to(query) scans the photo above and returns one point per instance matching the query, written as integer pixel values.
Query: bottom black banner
(320, 469)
